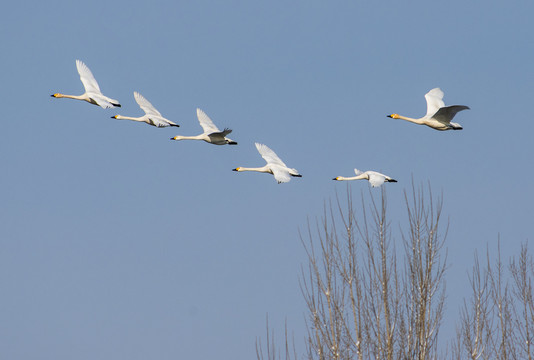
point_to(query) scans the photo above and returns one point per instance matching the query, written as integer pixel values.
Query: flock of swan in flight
(438, 117)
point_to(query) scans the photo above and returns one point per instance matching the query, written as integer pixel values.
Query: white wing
(147, 107)
(376, 179)
(101, 100)
(87, 78)
(159, 122)
(206, 123)
(434, 101)
(357, 172)
(281, 175)
(447, 113)
(268, 155)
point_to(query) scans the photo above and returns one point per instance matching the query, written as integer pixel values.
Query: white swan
(438, 116)
(274, 165)
(211, 133)
(151, 117)
(92, 92)
(375, 178)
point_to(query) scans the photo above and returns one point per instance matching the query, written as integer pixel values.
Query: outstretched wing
(447, 113)
(268, 155)
(358, 172)
(101, 100)
(376, 179)
(87, 78)
(144, 104)
(159, 122)
(281, 175)
(434, 101)
(206, 123)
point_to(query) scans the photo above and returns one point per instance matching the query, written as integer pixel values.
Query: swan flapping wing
(144, 104)
(434, 101)
(87, 78)
(225, 132)
(101, 100)
(281, 175)
(358, 172)
(447, 113)
(376, 179)
(159, 121)
(218, 138)
(206, 123)
(268, 155)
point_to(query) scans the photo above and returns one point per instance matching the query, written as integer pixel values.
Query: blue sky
(119, 243)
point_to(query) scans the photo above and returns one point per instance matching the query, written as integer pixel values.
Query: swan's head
(336, 178)
(56, 95)
(237, 169)
(115, 117)
(393, 116)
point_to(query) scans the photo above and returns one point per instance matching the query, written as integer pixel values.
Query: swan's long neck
(120, 117)
(77, 97)
(196, 137)
(363, 176)
(263, 169)
(417, 121)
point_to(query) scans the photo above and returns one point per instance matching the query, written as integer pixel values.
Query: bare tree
(367, 301)
(498, 321)
(271, 352)
(474, 332)
(522, 270)
(361, 303)
(502, 339)
(424, 276)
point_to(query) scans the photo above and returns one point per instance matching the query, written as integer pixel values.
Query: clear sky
(117, 243)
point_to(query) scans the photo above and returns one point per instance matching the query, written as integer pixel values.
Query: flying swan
(438, 116)
(274, 166)
(92, 92)
(375, 178)
(211, 133)
(152, 116)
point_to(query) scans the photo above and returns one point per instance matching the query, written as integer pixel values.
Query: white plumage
(438, 116)
(152, 116)
(274, 166)
(375, 178)
(92, 92)
(211, 133)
